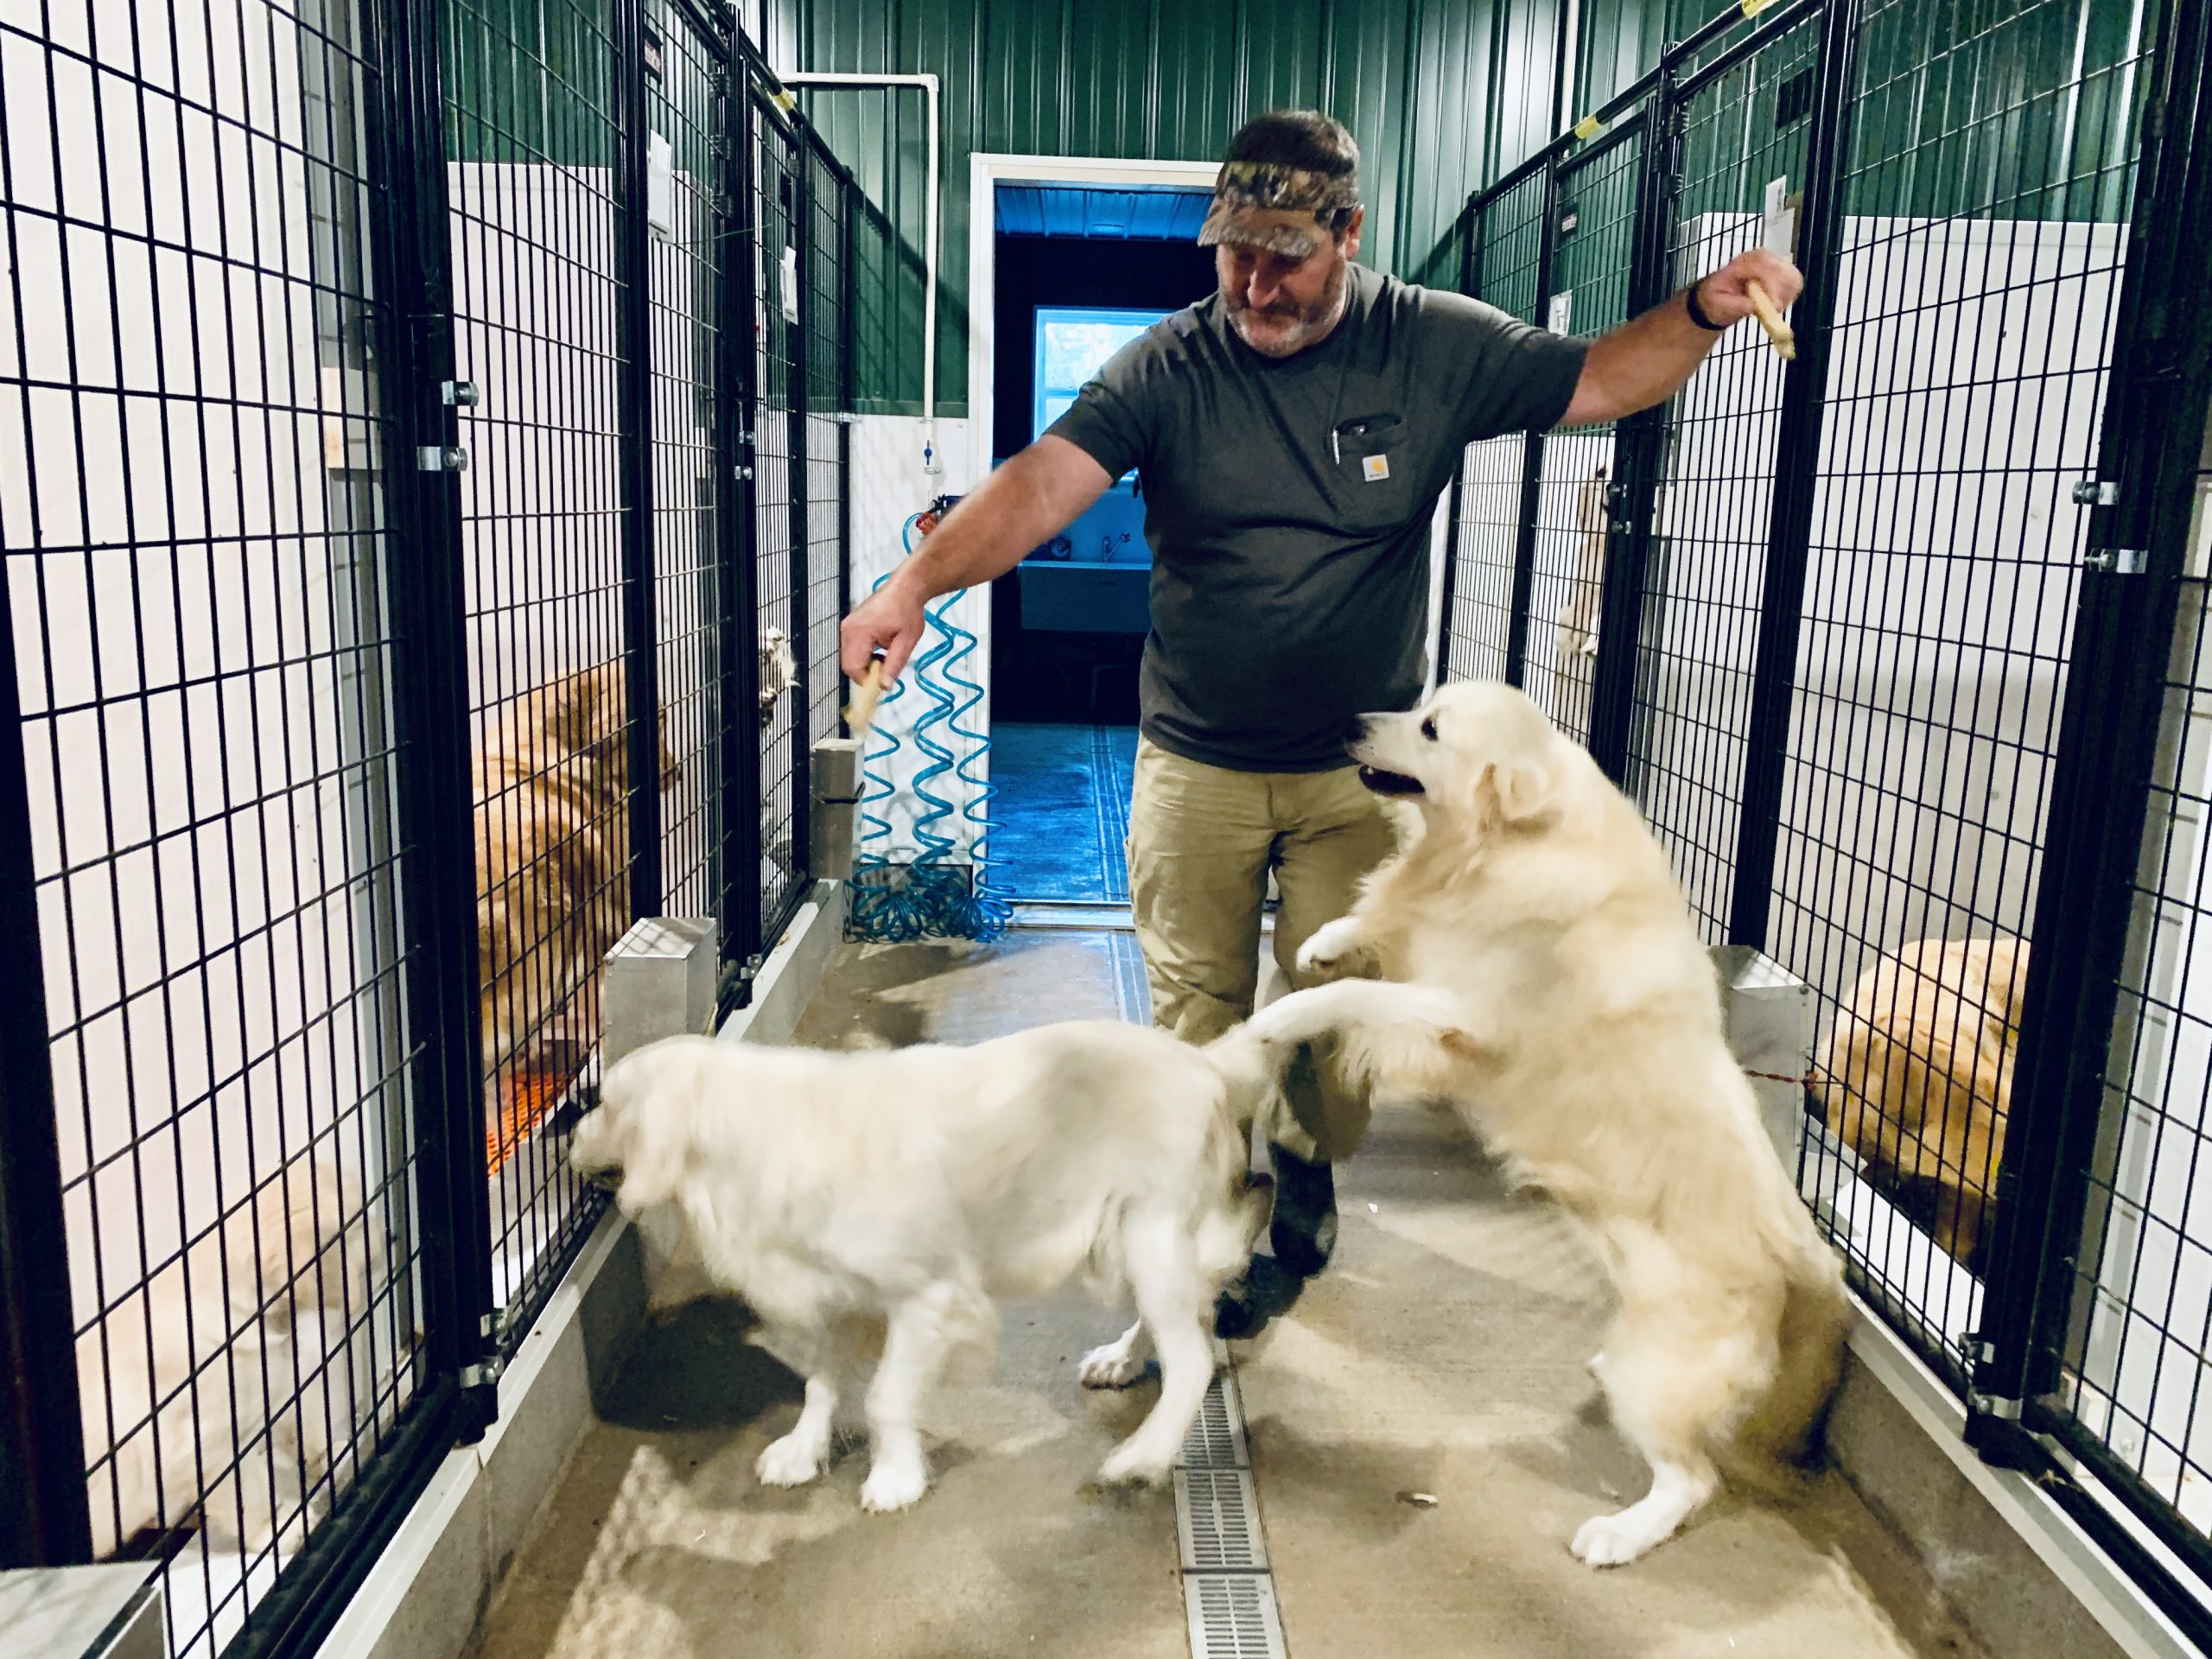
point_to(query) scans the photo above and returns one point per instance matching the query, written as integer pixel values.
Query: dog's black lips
(1390, 782)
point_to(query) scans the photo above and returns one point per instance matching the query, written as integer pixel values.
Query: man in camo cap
(1293, 431)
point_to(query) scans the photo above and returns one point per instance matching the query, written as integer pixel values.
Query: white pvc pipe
(928, 84)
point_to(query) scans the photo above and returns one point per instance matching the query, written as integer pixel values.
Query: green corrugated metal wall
(2022, 108)
(1441, 94)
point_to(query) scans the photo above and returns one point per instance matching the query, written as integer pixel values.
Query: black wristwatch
(1697, 311)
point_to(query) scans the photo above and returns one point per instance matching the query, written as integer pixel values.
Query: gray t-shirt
(1290, 566)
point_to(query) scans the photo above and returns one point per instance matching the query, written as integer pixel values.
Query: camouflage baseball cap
(1291, 178)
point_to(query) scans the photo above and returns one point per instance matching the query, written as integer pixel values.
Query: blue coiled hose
(928, 899)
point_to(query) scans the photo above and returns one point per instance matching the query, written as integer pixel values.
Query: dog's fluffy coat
(1554, 990)
(915, 1188)
(183, 1382)
(552, 825)
(1919, 1077)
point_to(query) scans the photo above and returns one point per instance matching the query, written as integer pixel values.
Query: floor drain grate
(1217, 1439)
(1218, 1521)
(1233, 1616)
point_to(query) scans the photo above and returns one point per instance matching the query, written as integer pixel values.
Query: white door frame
(986, 172)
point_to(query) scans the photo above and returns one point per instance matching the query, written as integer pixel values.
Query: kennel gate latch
(2120, 561)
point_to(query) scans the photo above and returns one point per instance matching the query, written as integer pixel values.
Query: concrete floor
(1443, 1353)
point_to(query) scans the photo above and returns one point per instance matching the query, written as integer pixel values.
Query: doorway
(1070, 261)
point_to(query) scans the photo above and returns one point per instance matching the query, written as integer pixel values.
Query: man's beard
(1307, 324)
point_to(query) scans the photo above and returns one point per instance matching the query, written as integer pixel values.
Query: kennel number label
(1777, 224)
(1375, 467)
(1562, 307)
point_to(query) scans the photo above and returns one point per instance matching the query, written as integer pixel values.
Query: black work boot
(1303, 1228)
(1303, 1233)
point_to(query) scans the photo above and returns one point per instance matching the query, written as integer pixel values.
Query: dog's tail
(1250, 1067)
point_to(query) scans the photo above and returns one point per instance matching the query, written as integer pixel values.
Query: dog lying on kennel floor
(1918, 1077)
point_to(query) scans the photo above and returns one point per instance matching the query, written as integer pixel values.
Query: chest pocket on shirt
(1374, 465)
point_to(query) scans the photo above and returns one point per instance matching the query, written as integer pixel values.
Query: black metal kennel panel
(548, 307)
(378, 505)
(222, 1199)
(2095, 1334)
(1979, 238)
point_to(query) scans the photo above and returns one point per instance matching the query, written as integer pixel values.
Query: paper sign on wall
(660, 186)
(1562, 307)
(791, 284)
(1778, 222)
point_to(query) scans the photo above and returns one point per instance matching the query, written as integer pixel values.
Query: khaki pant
(1201, 840)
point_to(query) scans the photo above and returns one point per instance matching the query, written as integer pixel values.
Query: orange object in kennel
(525, 1100)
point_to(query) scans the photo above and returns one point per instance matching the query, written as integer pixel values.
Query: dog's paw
(893, 1484)
(1611, 1540)
(792, 1461)
(1131, 1464)
(1114, 1366)
(1330, 950)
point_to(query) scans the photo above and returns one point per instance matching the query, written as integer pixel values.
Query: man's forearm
(1649, 359)
(1018, 506)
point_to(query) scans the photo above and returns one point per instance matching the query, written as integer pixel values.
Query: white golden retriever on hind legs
(910, 1190)
(1552, 989)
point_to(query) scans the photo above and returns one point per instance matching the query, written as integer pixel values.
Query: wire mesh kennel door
(218, 826)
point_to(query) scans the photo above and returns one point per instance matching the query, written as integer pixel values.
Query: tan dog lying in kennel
(180, 1382)
(552, 879)
(1919, 1077)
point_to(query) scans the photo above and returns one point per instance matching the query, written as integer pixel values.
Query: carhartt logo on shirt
(1377, 468)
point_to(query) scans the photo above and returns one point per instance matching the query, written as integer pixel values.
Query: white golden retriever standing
(912, 1189)
(1554, 992)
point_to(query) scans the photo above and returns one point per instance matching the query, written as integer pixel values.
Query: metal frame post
(847, 380)
(801, 221)
(45, 1508)
(430, 706)
(1638, 444)
(737, 640)
(1448, 593)
(634, 417)
(1532, 454)
(1797, 448)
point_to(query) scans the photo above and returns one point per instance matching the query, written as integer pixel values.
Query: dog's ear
(1522, 787)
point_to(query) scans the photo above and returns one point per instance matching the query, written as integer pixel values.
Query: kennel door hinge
(442, 458)
(2096, 493)
(457, 394)
(484, 1375)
